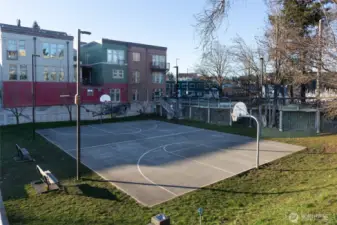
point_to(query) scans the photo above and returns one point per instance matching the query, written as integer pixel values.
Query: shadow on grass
(90, 191)
(212, 189)
(295, 170)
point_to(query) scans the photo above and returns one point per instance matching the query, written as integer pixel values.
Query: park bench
(22, 154)
(48, 178)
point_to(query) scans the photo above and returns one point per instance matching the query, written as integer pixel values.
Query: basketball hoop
(240, 110)
(105, 98)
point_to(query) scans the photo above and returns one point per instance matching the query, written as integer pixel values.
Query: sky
(168, 23)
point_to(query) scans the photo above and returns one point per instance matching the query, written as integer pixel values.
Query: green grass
(303, 183)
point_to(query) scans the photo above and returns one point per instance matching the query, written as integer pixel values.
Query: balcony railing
(160, 65)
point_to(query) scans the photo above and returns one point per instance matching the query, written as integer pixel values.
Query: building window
(115, 56)
(115, 95)
(135, 95)
(117, 74)
(192, 85)
(12, 72)
(201, 85)
(136, 56)
(156, 93)
(60, 51)
(53, 75)
(157, 78)
(23, 72)
(53, 50)
(12, 51)
(61, 75)
(159, 61)
(136, 77)
(45, 50)
(184, 85)
(22, 48)
(90, 92)
(199, 94)
(45, 73)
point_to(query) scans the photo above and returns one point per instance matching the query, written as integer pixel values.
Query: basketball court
(154, 161)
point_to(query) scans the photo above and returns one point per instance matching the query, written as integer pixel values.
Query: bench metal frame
(23, 154)
(48, 178)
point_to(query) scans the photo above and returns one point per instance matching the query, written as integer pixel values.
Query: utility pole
(177, 87)
(319, 69)
(78, 103)
(33, 92)
(261, 77)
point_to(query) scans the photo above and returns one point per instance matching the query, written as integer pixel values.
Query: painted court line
(74, 133)
(140, 139)
(201, 163)
(95, 171)
(148, 179)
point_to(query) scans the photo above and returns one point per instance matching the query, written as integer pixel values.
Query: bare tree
(67, 98)
(17, 112)
(208, 21)
(17, 107)
(215, 65)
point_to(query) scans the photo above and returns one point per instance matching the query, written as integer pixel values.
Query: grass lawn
(303, 183)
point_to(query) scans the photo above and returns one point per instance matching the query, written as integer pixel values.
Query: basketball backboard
(239, 110)
(105, 98)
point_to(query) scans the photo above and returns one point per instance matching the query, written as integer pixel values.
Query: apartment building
(104, 65)
(125, 70)
(54, 74)
(147, 67)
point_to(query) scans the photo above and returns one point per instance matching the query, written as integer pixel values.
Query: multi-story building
(147, 71)
(124, 70)
(53, 68)
(127, 71)
(105, 69)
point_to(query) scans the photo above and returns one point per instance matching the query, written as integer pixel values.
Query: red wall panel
(19, 94)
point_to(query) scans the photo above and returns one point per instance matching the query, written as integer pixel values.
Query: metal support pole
(33, 97)
(190, 115)
(281, 121)
(208, 113)
(78, 107)
(318, 121)
(230, 116)
(261, 78)
(257, 141)
(33, 92)
(319, 69)
(250, 119)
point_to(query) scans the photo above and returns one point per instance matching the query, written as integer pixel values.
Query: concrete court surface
(155, 161)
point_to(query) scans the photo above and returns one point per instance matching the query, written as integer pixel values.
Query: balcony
(160, 66)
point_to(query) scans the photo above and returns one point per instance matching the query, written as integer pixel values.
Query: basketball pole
(257, 140)
(242, 112)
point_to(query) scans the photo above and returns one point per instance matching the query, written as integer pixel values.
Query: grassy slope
(304, 183)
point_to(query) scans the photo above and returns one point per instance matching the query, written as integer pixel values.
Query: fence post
(318, 121)
(230, 114)
(208, 113)
(250, 119)
(190, 113)
(281, 121)
(260, 112)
